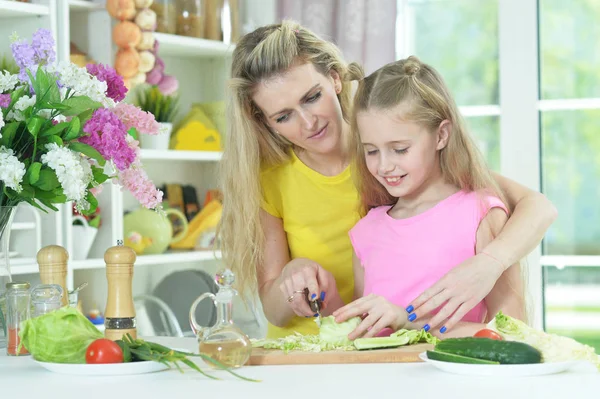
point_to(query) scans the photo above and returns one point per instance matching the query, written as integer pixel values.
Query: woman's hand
(301, 273)
(377, 312)
(460, 289)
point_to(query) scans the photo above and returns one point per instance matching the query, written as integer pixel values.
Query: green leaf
(93, 203)
(48, 204)
(8, 133)
(88, 151)
(95, 222)
(58, 106)
(133, 133)
(56, 129)
(99, 176)
(27, 191)
(85, 116)
(73, 130)
(35, 124)
(34, 203)
(53, 139)
(33, 173)
(48, 180)
(45, 87)
(80, 104)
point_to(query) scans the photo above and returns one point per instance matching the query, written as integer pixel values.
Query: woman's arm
(280, 277)
(531, 217)
(507, 295)
(471, 281)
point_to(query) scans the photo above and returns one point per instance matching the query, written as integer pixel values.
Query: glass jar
(212, 18)
(18, 309)
(46, 298)
(190, 18)
(166, 16)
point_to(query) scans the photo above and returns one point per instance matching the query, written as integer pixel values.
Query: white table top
(21, 377)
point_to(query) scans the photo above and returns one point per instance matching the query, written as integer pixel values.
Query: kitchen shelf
(176, 155)
(29, 265)
(83, 5)
(189, 47)
(16, 9)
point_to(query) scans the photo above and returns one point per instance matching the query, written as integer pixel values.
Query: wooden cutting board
(403, 354)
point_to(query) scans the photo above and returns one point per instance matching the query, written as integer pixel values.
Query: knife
(315, 306)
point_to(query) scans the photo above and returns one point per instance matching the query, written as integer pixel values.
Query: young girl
(431, 201)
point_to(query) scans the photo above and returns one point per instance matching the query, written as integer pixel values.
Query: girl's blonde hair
(250, 144)
(428, 103)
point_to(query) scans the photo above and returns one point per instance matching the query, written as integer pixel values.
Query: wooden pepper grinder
(52, 262)
(119, 317)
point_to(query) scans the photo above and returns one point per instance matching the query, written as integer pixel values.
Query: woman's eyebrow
(301, 99)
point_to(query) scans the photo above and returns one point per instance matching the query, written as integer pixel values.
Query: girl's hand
(303, 273)
(377, 312)
(461, 289)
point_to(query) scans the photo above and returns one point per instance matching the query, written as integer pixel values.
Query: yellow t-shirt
(317, 212)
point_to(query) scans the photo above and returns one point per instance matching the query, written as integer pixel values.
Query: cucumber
(379, 342)
(449, 357)
(504, 352)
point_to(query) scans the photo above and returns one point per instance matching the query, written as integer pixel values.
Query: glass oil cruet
(224, 341)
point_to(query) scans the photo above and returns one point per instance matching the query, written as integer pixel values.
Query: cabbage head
(337, 333)
(61, 336)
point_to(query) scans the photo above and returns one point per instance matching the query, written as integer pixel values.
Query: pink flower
(132, 116)
(114, 82)
(4, 100)
(107, 134)
(137, 182)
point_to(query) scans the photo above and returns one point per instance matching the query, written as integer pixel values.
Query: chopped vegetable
(103, 351)
(554, 348)
(335, 333)
(399, 338)
(452, 358)
(61, 336)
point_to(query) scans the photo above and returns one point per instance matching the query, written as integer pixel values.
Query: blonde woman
(289, 198)
(431, 201)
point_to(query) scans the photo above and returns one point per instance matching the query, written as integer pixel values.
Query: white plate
(498, 370)
(104, 369)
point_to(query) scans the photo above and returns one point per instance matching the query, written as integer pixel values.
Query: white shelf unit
(201, 66)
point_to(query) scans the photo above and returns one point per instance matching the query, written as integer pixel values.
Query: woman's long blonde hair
(429, 103)
(250, 144)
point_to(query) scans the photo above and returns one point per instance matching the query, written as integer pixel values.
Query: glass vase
(7, 214)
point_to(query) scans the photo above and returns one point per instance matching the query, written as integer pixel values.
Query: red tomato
(103, 351)
(487, 333)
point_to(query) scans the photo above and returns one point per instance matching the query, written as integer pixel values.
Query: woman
(289, 198)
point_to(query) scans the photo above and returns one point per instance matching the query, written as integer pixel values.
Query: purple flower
(107, 134)
(24, 56)
(4, 100)
(43, 45)
(115, 87)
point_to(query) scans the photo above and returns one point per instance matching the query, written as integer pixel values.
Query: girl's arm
(508, 294)
(471, 281)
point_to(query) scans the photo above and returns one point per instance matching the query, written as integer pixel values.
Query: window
(570, 165)
(460, 40)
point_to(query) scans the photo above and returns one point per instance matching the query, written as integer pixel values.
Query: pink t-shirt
(404, 257)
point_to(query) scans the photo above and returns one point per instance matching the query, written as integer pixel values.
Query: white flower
(1, 123)
(11, 169)
(7, 81)
(73, 176)
(21, 105)
(81, 83)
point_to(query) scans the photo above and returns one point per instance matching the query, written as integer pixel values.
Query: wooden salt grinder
(119, 315)
(52, 262)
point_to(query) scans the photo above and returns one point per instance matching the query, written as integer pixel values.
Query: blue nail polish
(426, 327)
(313, 296)
(322, 295)
(316, 314)
(410, 308)
(443, 329)
(412, 317)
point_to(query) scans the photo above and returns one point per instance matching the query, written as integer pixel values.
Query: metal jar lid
(19, 285)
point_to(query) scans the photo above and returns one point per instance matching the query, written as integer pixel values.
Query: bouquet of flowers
(64, 131)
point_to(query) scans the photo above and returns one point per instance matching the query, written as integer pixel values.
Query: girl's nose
(385, 166)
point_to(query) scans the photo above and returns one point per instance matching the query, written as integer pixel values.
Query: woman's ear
(337, 81)
(443, 135)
